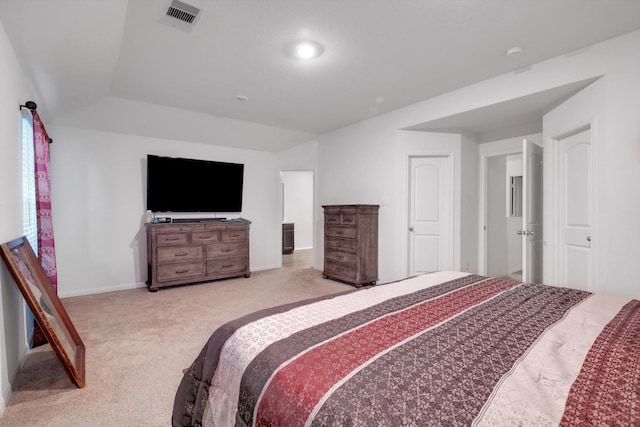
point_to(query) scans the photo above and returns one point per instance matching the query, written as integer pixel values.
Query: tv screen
(190, 185)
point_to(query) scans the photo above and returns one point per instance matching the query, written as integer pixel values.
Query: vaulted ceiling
(121, 65)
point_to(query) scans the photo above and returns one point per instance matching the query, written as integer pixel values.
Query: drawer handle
(204, 237)
(234, 235)
(227, 265)
(331, 220)
(227, 250)
(182, 253)
(171, 239)
(340, 232)
(339, 257)
(182, 271)
(348, 220)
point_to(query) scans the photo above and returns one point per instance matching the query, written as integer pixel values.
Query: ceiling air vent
(182, 15)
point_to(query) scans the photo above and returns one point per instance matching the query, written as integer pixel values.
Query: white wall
(356, 162)
(14, 90)
(298, 206)
(496, 232)
(99, 197)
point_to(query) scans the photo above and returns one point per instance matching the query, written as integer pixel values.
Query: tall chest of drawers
(351, 243)
(180, 253)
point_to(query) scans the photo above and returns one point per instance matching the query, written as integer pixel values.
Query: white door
(430, 214)
(532, 212)
(575, 190)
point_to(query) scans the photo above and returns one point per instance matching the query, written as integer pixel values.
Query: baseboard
(2, 401)
(6, 393)
(102, 290)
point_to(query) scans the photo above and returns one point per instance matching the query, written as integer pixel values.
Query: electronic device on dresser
(192, 185)
(190, 252)
(351, 243)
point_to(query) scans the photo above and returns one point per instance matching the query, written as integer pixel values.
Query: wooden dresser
(288, 238)
(179, 253)
(351, 243)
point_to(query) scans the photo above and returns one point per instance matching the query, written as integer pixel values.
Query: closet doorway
(297, 218)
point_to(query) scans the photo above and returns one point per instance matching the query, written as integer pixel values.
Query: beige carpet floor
(137, 344)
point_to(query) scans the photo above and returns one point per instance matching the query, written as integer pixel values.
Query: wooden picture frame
(46, 307)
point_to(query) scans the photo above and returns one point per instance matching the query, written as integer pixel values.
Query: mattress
(445, 348)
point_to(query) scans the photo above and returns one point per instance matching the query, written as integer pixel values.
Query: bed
(445, 348)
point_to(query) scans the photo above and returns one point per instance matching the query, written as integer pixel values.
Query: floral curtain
(46, 246)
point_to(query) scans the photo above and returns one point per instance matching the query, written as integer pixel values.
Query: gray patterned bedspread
(445, 348)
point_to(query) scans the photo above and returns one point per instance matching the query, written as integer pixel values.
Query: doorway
(573, 229)
(504, 216)
(297, 218)
(512, 196)
(430, 214)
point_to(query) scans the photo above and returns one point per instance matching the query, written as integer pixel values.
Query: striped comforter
(445, 348)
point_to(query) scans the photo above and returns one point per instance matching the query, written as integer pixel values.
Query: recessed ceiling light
(514, 52)
(305, 49)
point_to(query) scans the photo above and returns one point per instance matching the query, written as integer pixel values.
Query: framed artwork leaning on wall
(46, 307)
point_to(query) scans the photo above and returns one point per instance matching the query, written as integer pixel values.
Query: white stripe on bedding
(248, 341)
(534, 392)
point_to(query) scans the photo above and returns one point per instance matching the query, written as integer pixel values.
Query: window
(29, 216)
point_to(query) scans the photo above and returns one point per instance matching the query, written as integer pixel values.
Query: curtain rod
(32, 106)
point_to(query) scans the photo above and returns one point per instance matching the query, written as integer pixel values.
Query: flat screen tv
(190, 185)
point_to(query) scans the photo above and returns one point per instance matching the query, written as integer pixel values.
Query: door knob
(588, 238)
(410, 228)
(520, 232)
(528, 233)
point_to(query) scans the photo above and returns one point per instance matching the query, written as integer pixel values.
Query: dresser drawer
(341, 218)
(180, 253)
(339, 231)
(344, 257)
(219, 250)
(233, 235)
(348, 218)
(226, 265)
(332, 218)
(205, 237)
(340, 270)
(168, 239)
(170, 272)
(177, 228)
(348, 245)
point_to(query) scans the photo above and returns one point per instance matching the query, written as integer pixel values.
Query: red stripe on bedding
(607, 390)
(309, 377)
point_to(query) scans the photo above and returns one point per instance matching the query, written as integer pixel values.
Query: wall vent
(182, 15)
